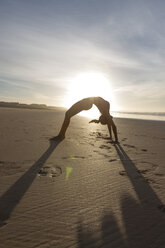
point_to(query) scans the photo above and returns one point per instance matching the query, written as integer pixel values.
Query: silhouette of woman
(86, 104)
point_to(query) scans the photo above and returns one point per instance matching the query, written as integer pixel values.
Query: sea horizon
(155, 116)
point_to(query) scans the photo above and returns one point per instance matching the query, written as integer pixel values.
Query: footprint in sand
(142, 171)
(122, 173)
(112, 160)
(159, 174)
(150, 181)
(99, 135)
(95, 134)
(57, 171)
(124, 139)
(104, 147)
(107, 156)
(50, 171)
(130, 146)
(144, 150)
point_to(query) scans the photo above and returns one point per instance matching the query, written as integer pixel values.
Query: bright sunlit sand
(89, 84)
(84, 191)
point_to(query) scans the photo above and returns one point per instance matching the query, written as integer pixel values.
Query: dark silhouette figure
(86, 104)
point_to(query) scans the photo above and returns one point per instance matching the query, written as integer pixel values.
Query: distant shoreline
(29, 106)
(154, 116)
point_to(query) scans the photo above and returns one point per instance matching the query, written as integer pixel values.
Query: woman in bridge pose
(86, 104)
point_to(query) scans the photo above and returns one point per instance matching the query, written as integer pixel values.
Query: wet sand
(84, 191)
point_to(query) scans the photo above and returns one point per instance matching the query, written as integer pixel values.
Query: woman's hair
(103, 120)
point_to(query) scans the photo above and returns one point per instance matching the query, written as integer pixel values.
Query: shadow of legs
(13, 195)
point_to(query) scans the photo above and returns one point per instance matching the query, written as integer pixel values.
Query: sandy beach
(84, 191)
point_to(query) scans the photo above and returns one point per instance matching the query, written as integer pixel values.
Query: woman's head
(103, 120)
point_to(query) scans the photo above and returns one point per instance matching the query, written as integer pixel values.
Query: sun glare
(88, 85)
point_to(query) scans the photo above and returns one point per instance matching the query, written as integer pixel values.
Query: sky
(56, 52)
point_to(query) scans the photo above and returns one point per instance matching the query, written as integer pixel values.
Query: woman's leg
(84, 104)
(114, 128)
(110, 122)
(64, 125)
(110, 132)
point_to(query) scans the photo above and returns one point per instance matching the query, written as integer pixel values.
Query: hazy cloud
(43, 44)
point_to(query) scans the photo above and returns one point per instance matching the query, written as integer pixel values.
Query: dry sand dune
(84, 191)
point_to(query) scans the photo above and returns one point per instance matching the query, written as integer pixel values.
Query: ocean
(157, 116)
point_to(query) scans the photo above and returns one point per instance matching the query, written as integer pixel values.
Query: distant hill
(29, 106)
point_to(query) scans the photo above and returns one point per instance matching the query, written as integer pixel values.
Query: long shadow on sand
(143, 223)
(13, 195)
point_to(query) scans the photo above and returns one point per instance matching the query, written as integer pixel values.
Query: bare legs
(110, 131)
(84, 104)
(114, 128)
(64, 126)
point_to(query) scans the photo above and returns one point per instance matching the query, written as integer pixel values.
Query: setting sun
(87, 85)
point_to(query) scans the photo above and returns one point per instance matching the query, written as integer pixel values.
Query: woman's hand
(95, 121)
